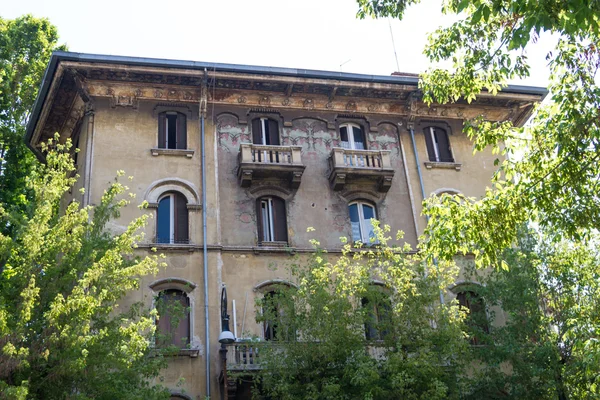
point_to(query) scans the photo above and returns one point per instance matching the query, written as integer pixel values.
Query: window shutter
(259, 221)
(279, 220)
(181, 219)
(273, 132)
(256, 131)
(181, 131)
(162, 130)
(443, 145)
(163, 323)
(429, 143)
(181, 334)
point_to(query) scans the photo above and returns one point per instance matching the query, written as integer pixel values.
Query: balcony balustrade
(357, 165)
(261, 161)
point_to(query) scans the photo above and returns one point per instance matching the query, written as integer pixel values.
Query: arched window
(173, 322)
(477, 319)
(361, 214)
(438, 144)
(172, 219)
(172, 130)
(277, 315)
(352, 137)
(378, 314)
(271, 219)
(265, 131)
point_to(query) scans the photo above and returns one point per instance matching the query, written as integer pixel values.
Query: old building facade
(236, 162)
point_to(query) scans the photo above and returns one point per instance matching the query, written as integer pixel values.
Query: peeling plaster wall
(314, 204)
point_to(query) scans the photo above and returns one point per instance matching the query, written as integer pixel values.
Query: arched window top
(352, 136)
(361, 213)
(271, 220)
(173, 283)
(441, 191)
(265, 131)
(156, 190)
(273, 284)
(438, 144)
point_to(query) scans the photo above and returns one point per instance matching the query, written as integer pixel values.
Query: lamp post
(225, 337)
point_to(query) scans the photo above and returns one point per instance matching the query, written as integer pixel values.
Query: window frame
(361, 219)
(350, 134)
(180, 130)
(378, 307)
(174, 223)
(268, 228)
(263, 124)
(432, 133)
(188, 315)
(477, 318)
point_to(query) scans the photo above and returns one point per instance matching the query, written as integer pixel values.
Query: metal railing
(170, 240)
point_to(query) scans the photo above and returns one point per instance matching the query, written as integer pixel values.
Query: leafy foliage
(26, 44)
(547, 348)
(62, 334)
(357, 340)
(549, 172)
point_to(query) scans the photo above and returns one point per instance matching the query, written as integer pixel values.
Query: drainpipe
(411, 128)
(204, 236)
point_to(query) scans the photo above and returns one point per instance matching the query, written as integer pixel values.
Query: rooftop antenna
(394, 44)
(344, 63)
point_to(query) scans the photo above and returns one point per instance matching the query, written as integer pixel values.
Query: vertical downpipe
(411, 127)
(203, 107)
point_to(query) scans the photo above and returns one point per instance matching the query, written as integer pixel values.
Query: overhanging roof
(60, 56)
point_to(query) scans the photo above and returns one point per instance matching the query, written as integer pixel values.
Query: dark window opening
(172, 130)
(271, 219)
(379, 315)
(476, 321)
(265, 131)
(438, 144)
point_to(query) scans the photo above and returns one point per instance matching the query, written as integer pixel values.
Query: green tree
(62, 334)
(549, 172)
(338, 336)
(547, 348)
(26, 44)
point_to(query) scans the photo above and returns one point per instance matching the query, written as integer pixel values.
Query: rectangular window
(438, 145)
(271, 220)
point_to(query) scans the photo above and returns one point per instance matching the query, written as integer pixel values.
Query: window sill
(170, 246)
(443, 165)
(191, 353)
(274, 247)
(172, 152)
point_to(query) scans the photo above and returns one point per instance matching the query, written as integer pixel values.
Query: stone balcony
(264, 162)
(349, 165)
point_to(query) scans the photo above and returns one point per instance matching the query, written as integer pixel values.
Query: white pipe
(204, 238)
(234, 319)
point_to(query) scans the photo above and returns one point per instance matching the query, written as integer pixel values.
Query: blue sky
(312, 34)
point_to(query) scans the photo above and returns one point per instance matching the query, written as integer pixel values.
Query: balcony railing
(170, 240)
(350, 163)
(246, 356)
(263, 161)
(243, 356)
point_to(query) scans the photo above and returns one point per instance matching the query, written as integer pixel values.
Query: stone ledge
(443, 165)
(189, 153)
